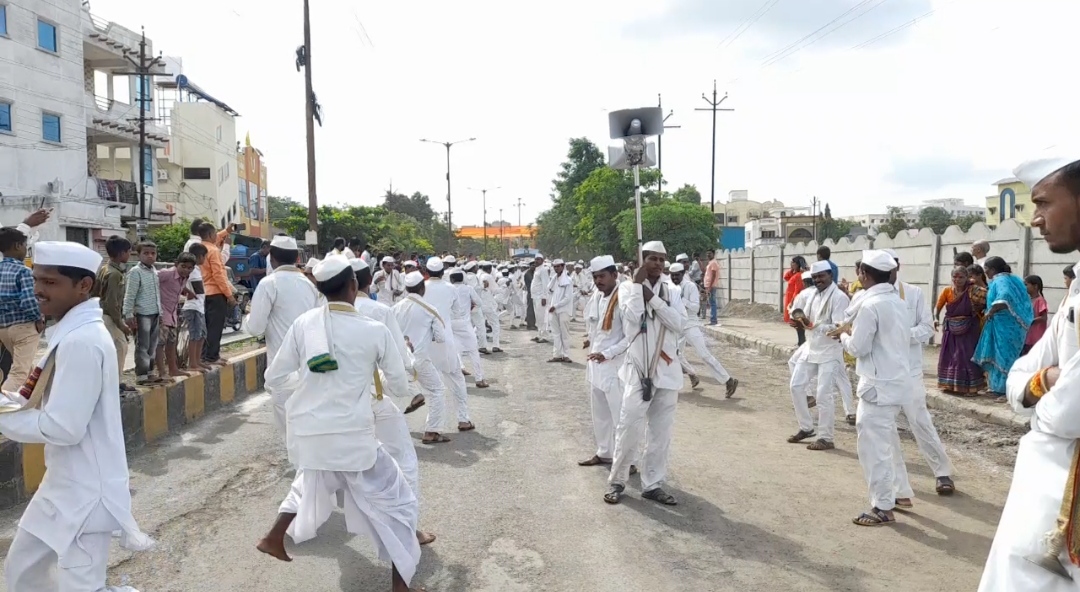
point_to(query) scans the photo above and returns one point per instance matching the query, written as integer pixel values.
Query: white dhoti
(926, 436)
(652, 420)
(393, 432)
(693, 337)
(881, 460)
(543, 319)
(378, 503)
(464, 336)
(560, 332)
(826, 374)
(492, 317)
(33, 566)
(431, 383)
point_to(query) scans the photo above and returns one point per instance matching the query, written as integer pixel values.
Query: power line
(818, 34)
(745, 25)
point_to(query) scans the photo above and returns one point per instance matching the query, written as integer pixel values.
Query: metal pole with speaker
(633, 127)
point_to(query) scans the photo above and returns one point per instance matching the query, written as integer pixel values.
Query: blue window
(148, 168)
(50, 127)
(3, 20)
(46, 36)
(5, 117)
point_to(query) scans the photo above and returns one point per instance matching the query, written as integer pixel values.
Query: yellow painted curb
(227, 380)
(155, 413)
(194, 397)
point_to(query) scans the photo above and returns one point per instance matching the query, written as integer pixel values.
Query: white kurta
(693, 336)
(488, 307)
(562, 300)
(1042, 460)
(278, 301)
(392, 288)
(541, 298)
(879, 341)
(464, 331)
(605, 387)
(824, 359)
(85, 488)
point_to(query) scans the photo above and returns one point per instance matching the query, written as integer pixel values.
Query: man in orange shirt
(712, 285)
(219, 294)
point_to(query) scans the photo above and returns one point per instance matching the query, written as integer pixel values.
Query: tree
(687, 194)
(966, 221)
(279, 207)
(935, 218)
(832, 228)
(170, 240)
(582, 159)
(895, 223)
(684, 228)
(417, 206)
(556, 225)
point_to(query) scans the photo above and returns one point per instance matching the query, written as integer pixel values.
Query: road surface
(514, 513)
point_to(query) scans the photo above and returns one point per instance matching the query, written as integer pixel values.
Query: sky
(861, 103)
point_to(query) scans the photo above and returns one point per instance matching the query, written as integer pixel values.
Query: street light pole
(309, 100)
(660, 146)
(483, 193)
(449, 214)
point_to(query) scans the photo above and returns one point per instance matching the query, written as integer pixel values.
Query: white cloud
(984, 82)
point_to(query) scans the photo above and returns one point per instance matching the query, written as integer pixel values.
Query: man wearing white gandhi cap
(652, 312)
(69, 403)
(1044, 385)
(323, 374)
(878, 339)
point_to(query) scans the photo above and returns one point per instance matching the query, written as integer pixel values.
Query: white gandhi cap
(654, 247)
(67, 254)
(891, 253)
(388, 259)
(601, 263)
(358, 264)
(806, 275)
(287, 243)
(879, 260)
(413, 278)
(682, 257)
(677, 268)
(558, 262)
(820, 266)
(449, 259)
(329, 268)
(1032, 172)
(434, 264)
(409, 263)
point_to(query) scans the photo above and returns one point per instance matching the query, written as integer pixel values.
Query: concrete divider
(147, 415)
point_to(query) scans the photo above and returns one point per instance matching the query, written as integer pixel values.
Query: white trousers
(843, 384)
(32, 566)
(492, 317)
(431, 383)
(693, 337)
(560, 333)
(543, 318)
(517, 310)
(605, 404)
(476, 316)
(879, 452)
(463, 335)
(652, 419)
(454, 381)
(926, 436)
(826, 374)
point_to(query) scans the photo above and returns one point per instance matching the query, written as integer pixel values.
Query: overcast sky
(941, 107)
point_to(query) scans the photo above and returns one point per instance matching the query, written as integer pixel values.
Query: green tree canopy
(280, 207)
(935, 218)
(895, 223)
(687, 194)
(416, 206)
(966, 221)
(170, 239)
(683, 227)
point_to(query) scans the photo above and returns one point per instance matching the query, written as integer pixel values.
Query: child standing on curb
(194, 311)
(172, 282)
(142, 312)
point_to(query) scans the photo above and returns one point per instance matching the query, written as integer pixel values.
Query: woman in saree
(1006, 326)
(962, 303)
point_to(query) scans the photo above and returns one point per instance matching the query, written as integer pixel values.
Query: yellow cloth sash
(1069, 516)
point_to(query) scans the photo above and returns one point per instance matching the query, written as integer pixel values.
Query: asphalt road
(514, 513)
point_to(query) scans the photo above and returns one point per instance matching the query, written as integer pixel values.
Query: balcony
(113, 122)
(107, 45)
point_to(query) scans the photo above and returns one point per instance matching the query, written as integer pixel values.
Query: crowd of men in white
(337, 357)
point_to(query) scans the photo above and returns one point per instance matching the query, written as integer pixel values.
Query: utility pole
(813, 212)
(449, 213)
(311, 113)
(483, 192)
(660, 145)
(519, 204)
(144, 95)
(714, 106)
(502, 224)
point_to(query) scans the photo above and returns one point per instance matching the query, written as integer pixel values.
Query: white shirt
(279, 300)
(198, 303)
(421, 326)
(879, 341)
(541, 279)
(468, 300)
(79, 423)
(691, 300)
(378, 311)
(825, 310)
(613, 343)
(331, 426)
(562, 297)
(394, 282)
(487, 290)
(921, 322)
(670, 315)
(443, 298)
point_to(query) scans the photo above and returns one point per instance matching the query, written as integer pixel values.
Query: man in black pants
(530, 313)
(219, 293)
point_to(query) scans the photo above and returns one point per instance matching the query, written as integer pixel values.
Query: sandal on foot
(874, 517)
(466, 372)
(594, 461)
(800, 436)
(851, 419)
(732, 386)
(633, 470)
(496, 350)
(811, 402)
(484, 351)
(821, 445)
(416, 403)
(614, 494)
(903, 503)
(945, 486)
(466, 426)
(694, 381)
(659, 496)
(434, 438)
(482, 384)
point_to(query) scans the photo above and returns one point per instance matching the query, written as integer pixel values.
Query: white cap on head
(413, 278)
(329, 268)
(1032, 172)
(677, 268)
(879, 260)
(667, 264)
(601, 263)
(284, 242)
(579, 266)
(67, 254)
(388, 259)
(558, 262)
(682, 257)
(806, 275)
(449, 259)
(538, 256)
(654, 247)
(409, 263)
(485, 264)
(820, 266)
(892, 253)
(358, 264)
(470, 265)
(311, 263)
(434, 264)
